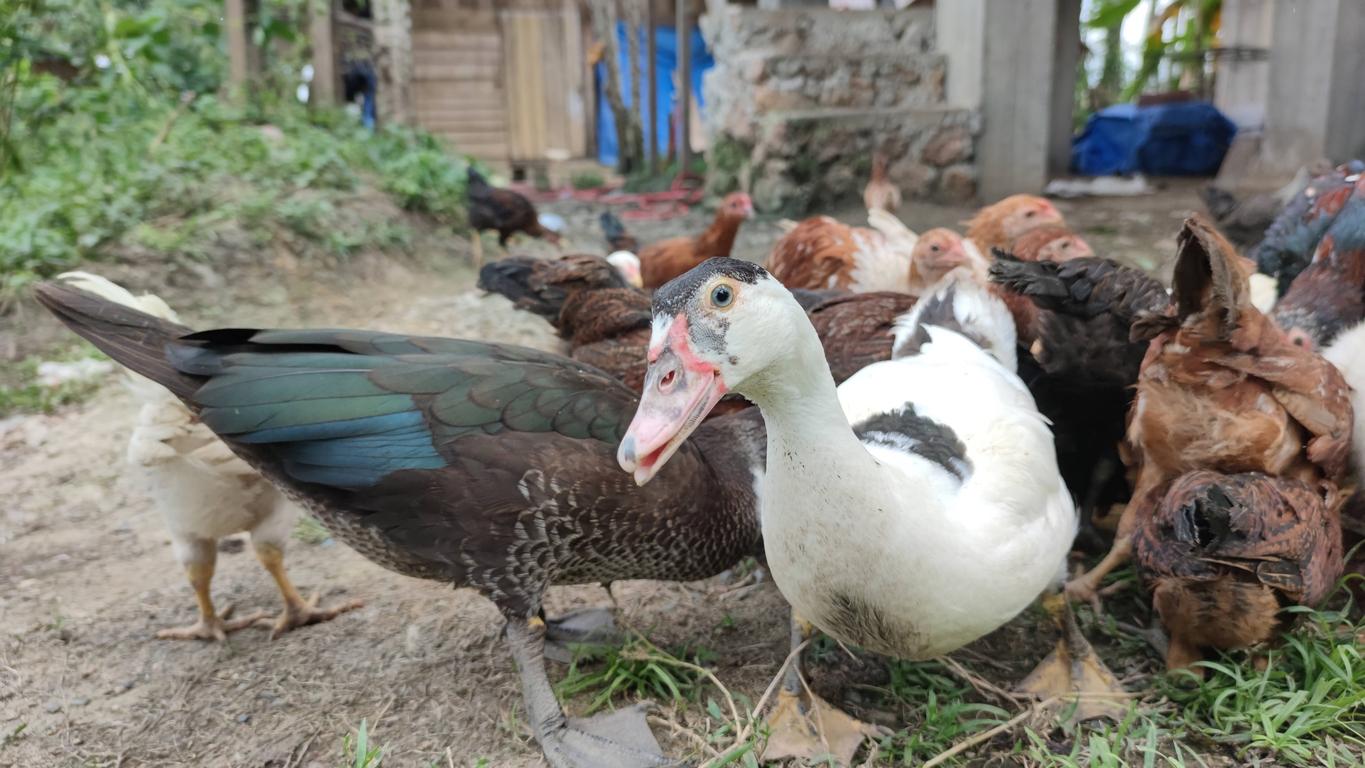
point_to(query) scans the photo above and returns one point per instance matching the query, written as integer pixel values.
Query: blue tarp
(665, 60)
(1186, 139)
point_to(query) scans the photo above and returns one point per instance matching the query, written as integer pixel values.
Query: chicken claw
(214, 627)
(304, 613)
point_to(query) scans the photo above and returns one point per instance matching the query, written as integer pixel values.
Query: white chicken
(206, 492)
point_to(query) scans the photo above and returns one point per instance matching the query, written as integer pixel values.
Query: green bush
(136, 148)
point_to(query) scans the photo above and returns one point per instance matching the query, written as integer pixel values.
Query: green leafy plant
(358, 752)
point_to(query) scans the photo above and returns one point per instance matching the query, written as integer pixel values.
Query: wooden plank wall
(458, 80)
(543, 56)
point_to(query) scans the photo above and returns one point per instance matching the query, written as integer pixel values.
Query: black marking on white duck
(906, 430)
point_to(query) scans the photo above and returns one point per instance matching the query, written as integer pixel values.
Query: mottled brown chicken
(609, 329)
(1224, 553)
(542, 285)
(1328, 296)
(997, 225)
(880, 194)
(857, 330)
(1223, 389)
(667, 259)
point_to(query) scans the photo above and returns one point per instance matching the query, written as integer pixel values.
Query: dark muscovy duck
(480, 465)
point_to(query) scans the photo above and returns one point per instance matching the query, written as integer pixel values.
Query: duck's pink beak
(680, 389)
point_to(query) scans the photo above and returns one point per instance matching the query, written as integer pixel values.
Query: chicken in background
(1290, 242)
(501, 210)
(615, 233)
(204, 493)
(998, 225)
(1081, 365)
(880, 194)
(1222, 389)
(1245, 221)
(821, 253)
(1224, 554)
(667, 259)
(1328, 296)
(938, 252)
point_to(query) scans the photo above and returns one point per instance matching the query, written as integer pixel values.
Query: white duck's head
(719, 328)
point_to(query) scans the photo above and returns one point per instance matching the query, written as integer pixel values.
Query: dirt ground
(87, 575)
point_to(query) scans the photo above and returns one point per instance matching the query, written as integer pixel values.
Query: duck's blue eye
(722, 295)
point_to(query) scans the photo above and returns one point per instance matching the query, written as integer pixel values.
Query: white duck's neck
(807, 430)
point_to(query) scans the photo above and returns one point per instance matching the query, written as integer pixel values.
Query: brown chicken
(998, 225)
(821, 253)
(857, 330)
(880, 194)
(1224, 553)
(936, 253)
(1223, 389)
(666, 259)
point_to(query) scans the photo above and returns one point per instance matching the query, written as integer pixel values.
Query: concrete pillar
(1004, 61)
(1316, 93)
(1066, 58)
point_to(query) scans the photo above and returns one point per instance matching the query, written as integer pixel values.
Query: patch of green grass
(587, 180)
(22, 392)
(1304, 707)
(309, 531)
(937, 707)
(358, 752)
(637, 670)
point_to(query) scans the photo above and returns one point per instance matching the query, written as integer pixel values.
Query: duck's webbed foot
(1074, 672)
(803, 725)
(589, 626)
(619, 739)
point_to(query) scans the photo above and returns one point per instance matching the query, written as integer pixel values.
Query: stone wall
(799, 100)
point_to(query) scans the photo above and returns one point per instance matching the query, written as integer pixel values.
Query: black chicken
(1082, 367)
(501, 210)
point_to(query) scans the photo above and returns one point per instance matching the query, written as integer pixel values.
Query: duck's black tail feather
(134, 339)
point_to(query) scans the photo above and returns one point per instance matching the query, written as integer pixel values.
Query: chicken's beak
(679, 391)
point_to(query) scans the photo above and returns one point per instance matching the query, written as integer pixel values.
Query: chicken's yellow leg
(297, 611)
(200, 558)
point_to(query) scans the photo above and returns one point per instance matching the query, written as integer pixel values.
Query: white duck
(911, 510)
